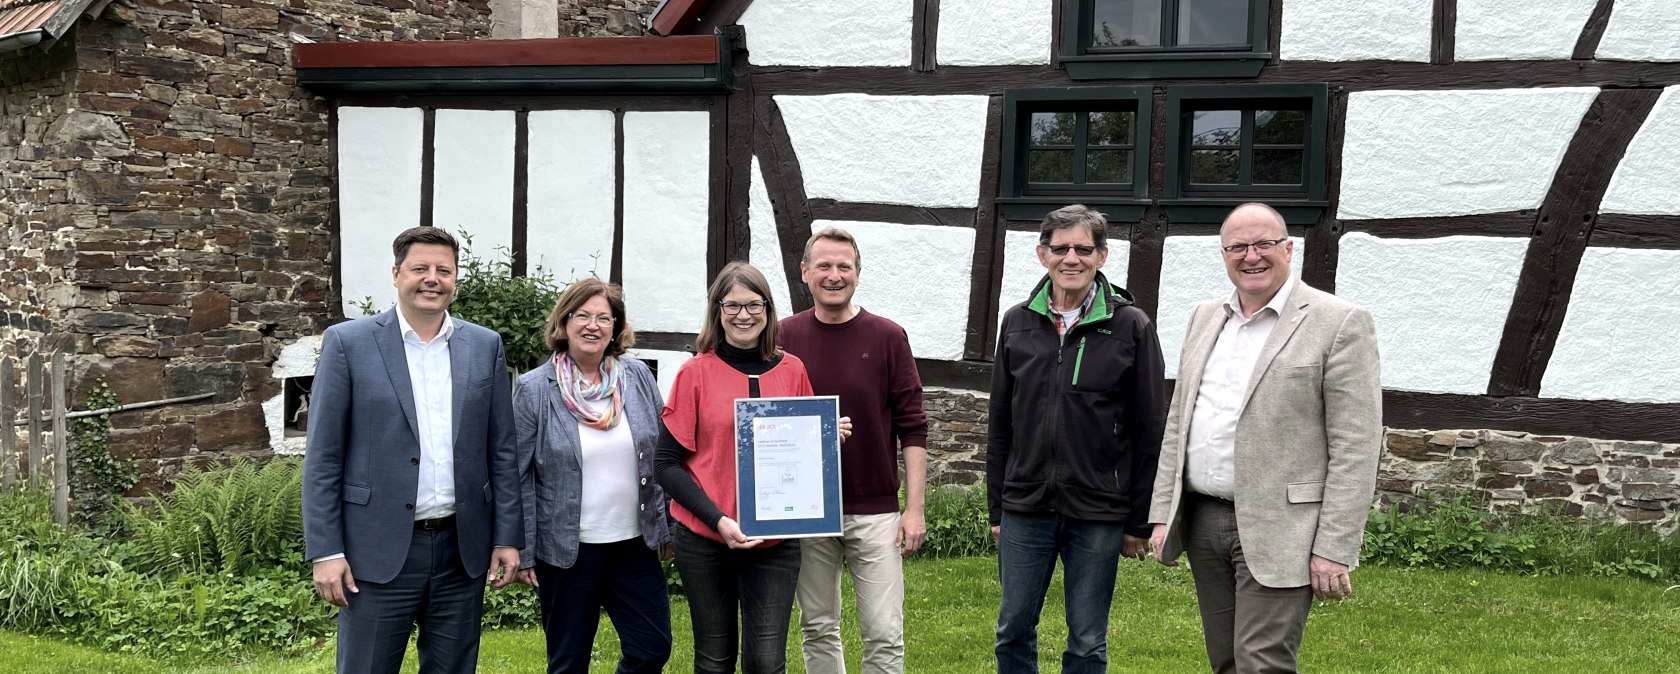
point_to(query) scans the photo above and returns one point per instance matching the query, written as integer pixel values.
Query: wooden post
(61, 444)
(8, 434)
(35, 450)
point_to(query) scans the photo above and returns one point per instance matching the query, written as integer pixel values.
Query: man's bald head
(1255, 211)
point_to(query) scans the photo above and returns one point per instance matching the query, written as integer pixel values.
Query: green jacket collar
(1108, 299)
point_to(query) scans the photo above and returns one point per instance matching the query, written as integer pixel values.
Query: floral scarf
(575, 390)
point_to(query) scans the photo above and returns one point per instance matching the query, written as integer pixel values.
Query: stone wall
(1624, 481)
(599, 18)
(179, 230)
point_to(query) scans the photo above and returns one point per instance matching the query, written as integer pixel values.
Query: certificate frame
(826, 521)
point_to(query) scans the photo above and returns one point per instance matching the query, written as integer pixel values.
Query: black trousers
(434, 591)
(752, 588)
(625, 579)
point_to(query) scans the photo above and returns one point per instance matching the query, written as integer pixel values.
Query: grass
(1400, 620)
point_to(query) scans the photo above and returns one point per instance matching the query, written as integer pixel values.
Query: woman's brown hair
(751, 280)
(581, 291)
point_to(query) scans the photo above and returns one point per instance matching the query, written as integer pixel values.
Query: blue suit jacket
(361, 472)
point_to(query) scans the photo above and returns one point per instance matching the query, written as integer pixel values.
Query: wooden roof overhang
(28, 23)
(691, 64)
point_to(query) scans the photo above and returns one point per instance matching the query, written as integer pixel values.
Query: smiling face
(832, 273)
(425, 281)
(741, 328)
(1257, 277)
(587, 341)
(1071, 274)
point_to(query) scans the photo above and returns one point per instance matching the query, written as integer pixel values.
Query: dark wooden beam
(666, 341)
(924, 36)
(521, 188)
(1614, 230)
(676, 17)
(1443, 31)
(721, 14)
(572, 51)
(1324, 239)
(737, 228)
(428, 161)
(1587, 46)
(829, 209)
(785, 182)
(1512, 223)
(718, 230)
(1352, 75)
(985, 275)
(1561, 232)
(615, 266)
(1149, 236)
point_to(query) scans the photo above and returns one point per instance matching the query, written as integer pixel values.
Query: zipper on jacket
(1078, 359)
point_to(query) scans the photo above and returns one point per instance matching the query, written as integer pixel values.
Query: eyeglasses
(604, 320)
(734, 308)
(1081, 251)
(1261, 247)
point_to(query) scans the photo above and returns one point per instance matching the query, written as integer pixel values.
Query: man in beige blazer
(1269, 461)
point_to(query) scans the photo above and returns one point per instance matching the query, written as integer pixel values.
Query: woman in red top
(726, 575)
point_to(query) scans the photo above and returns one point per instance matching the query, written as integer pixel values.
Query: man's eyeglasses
(734, 308)
(1261, 247)
(1081, 251)
(604, 320)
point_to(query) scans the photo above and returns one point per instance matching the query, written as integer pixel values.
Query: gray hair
(1068, 217)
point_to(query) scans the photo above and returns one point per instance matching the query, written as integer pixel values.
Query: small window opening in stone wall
(296, 419)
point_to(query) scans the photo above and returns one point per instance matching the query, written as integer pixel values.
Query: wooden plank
(1656, 232)
(521, 190)
(675, 17)
(924, 36)
(786, 184)
(1443, 31)
(718, 230)
(1324, 239)
(428, 164)
(36, 450)
(666, 341)
(1561, 233)
(721, 14)
(738, 157)
(984, 274)
(1149, 235)
(1508, 224)
(615, 265)
(576, 51)
(1586, 47)
(829, 209)
(61, 443)
(8, 434)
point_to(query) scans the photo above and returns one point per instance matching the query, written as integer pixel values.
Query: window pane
(1110, 128)
(1212, 22)
(1277, 167)
(1214, 167)
(1053, 128)
(1126, 23)
(1280, 127)
(1217, 127)
(1050, 166)
(1108, 166)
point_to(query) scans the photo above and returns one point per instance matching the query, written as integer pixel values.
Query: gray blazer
(550, 472)
(1308, 436)
(361, 472)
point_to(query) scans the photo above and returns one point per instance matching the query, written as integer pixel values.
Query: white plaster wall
(1022, 270)
(994, 32)
(829, 32)
(766, 250)
(918, 276)
(1642, 30)
(669, 362)
(1506, 145)
(1647, 181)
(912, 150)
(666, 192)
(1192, 272)
(295, 360)
(569, 204)
(472, 178)
(1340, 30)
(1618, 339)
(1440, 305)
(1519, 29)
(378, 195)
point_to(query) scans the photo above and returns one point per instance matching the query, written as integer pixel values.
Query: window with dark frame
(1232, 143)
(1080, 151)
(1164, 38)
(1087, 145)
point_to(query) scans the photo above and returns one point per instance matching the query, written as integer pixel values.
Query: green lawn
(1399, 621)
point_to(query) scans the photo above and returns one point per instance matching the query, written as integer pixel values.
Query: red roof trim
(675, 17)
(575, 51)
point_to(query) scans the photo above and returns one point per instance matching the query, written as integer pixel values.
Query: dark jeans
(1028, 546)
(754, 586)
(625, 579)
(432, 589)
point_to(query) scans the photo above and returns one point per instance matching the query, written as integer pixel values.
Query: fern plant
(237, 520)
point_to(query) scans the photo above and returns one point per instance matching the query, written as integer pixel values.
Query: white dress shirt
(611, 498)
(434, 405)
(1210, 457)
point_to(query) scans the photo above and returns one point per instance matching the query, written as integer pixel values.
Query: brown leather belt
(435, 524)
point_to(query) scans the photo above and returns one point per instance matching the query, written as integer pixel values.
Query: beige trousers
(868, 547)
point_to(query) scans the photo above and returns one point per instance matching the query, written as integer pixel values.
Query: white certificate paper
(787, 467)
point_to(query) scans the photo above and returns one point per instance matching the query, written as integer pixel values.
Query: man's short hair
(1068, 217)
(570, 301)
(422, 234)
(838, 235)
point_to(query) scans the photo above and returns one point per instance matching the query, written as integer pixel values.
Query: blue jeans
(1028, 546)
(752, 588)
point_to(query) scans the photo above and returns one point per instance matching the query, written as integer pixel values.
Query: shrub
(957, 522)
(512, 606)
(242, 520)
(516, 307)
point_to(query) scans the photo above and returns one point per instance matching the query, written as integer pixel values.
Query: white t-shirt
(611, 499)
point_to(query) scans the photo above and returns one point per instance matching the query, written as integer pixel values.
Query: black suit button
(408, 506)
(415, 460)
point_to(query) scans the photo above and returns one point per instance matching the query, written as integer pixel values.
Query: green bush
(242, 520)
(512, 606)
(97, 479)
(957, 524)
(516, 307)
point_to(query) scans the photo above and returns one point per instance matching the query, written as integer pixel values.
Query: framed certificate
(787, 466)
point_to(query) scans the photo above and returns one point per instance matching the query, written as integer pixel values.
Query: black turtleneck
(668, 458)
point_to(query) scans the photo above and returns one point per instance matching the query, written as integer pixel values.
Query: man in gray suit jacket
(1269, 462)
(410, 476)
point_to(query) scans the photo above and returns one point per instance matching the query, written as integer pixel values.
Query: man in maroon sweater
(865, 359)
